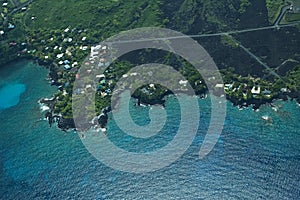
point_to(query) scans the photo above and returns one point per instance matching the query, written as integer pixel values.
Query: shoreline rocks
(102, 120)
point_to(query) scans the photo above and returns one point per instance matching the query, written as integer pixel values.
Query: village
(65, 51)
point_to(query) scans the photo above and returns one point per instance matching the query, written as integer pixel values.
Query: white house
(100, 76)
(74, 64)
(151, 85)
(284, 90)
(228, 86)
(88, 87)
(219, 85)
(182, 82)
(255, 90)
(59, 55)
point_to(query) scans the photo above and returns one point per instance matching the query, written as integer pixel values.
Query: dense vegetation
(274, 7)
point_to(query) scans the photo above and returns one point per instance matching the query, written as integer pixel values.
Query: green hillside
(245, 45)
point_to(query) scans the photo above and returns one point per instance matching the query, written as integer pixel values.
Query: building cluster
(98, 58)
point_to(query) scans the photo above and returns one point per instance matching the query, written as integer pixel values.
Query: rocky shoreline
(66, 123)
(102, 120)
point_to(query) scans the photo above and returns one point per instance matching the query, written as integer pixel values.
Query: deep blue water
(253, 159)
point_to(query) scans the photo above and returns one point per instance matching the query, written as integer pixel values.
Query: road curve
(282, 12)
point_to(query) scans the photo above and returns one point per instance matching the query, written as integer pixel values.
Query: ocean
(253, 158)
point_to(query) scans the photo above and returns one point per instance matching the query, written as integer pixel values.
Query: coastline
(74, 131)
(67, 122)
(36, 157)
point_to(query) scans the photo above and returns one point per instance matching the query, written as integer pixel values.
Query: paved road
(17, 8)
(219, 34)
(207, 35)
(12, 12)
(260, 62)
(276, 25)
(283, 11)
(13, 3)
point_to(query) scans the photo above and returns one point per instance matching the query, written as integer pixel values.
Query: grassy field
(291, 17)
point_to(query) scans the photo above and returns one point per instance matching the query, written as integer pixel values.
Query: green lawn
(291, 17)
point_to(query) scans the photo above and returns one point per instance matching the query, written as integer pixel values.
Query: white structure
(219, 85)
(59, 55)
(228, 86)
(255, 90)
(88, 87)
(151, 85)
(100, 76)
(182, 82)
(74, 64)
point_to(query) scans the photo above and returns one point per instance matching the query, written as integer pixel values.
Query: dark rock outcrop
(66, 123)
(49, 117)
(102, 120)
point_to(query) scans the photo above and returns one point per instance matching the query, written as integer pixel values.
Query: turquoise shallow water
(10, 95)
(253, 159)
